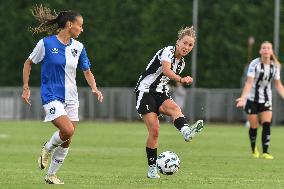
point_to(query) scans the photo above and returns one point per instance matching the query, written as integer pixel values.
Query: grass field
(112, 155)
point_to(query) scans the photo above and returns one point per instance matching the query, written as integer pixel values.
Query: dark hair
(50, 21)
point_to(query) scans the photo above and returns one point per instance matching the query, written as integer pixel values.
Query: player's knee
(154, 132)
(176, 110)
(67, 132)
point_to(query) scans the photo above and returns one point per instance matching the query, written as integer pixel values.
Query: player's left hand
(99, 95)
(186, 80)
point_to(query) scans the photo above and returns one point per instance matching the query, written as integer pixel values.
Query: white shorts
(55, 108)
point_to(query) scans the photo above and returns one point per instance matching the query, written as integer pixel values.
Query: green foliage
(122, 36)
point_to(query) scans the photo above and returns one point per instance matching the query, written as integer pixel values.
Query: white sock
(183, 128)
(57, 159)
(54, 141)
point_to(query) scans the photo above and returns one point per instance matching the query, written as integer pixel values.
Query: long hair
(275, 59)
(273, 56)
(50, 21)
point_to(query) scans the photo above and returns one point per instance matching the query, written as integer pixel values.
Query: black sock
(151, 155)
(180, 122)
(265, 136)
(252, 137)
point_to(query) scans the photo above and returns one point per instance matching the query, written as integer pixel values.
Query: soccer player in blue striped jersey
(256, 97)
(60, 55)
(152, 94)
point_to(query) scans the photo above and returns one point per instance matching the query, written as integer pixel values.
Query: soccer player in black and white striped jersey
(152, 94)
(257, 96)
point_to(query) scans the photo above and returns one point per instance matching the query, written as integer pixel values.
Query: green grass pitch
(112, 155)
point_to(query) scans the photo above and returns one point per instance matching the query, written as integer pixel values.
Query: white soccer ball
(168, 163)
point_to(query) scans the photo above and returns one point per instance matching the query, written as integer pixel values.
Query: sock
(54, 141)
(180, 123)
(57, 159)
(151, 155)
(265, 136)
(252, 137)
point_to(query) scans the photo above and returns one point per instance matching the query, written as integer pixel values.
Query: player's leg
(61, 151)
(66, 131)
(152, 124)
(251, 109)
(147, 107)
(170, 108)
(266, 118)
(56, 113)
(57, 160)
(253, 122)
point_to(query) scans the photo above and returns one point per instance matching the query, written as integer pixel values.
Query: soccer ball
(168, 163)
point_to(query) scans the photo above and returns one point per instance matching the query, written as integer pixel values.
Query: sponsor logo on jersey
(54, 50)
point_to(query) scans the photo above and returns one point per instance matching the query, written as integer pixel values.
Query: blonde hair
(186, 31)
(273, 56)
(275, 59)
(50, 21)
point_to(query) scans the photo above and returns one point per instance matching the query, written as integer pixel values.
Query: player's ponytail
(50, 21)
(275, 59)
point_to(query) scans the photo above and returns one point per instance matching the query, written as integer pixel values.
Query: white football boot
(52, 179)
(189, 132)
(153, 172)
(43, 158)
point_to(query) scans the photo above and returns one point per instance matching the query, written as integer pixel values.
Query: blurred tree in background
(122, 36)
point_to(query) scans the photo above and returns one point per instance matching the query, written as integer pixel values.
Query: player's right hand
(240, 102)
(26, 96)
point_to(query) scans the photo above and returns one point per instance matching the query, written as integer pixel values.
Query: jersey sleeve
(277, 73)
(38, 53)
(167, 55)
(84, 62)
(251, 69)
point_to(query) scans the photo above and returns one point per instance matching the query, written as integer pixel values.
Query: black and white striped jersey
(153, 79)
(263, 75)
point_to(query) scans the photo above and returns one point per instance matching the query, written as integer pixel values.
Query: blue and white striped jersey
(58, 68)
(153, 79)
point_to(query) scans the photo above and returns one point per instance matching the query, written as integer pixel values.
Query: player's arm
(248, 85)
(92, 83)
(26, 76)
(166, 68)
(279, 87)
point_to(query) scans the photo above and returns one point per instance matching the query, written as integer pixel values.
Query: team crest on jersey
(52, 110)
(74, 52)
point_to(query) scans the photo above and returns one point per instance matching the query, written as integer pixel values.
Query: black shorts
(150, 102)
(255, 107)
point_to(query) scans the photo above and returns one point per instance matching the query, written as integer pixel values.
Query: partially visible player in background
(152, 94)
(256, 96)
(59, 55)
